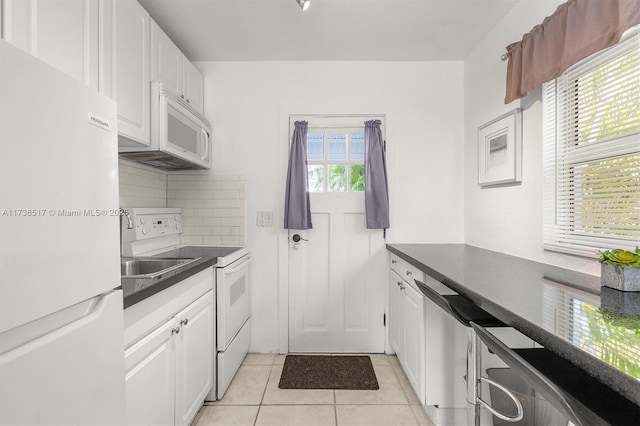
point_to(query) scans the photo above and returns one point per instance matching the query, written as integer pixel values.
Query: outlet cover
(265, 219)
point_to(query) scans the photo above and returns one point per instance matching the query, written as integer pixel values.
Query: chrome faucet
(128, 215)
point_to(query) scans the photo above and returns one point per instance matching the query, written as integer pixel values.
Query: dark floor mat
(328, 372)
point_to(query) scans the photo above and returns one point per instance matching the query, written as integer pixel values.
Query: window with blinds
(592, 153)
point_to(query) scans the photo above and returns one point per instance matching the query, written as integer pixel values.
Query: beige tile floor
(253, 399)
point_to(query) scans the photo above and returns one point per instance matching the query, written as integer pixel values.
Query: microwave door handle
(205, 139)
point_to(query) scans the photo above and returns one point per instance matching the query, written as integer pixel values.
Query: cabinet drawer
(408, 272)
(141, 318)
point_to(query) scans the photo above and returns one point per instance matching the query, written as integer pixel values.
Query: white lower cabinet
(407, 326)
(150, 378)
(170, 371)
(195, 357)
(414, 345)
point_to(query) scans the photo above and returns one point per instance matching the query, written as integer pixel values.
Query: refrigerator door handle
(37, 333)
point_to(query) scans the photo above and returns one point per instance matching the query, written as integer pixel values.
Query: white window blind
(592, 153)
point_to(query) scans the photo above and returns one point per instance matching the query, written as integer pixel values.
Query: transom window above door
(335, 159)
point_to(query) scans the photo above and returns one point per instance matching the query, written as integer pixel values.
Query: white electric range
(157, 232)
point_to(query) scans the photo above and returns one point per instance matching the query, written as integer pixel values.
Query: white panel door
(337, 279)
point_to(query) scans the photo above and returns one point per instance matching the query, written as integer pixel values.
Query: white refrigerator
(61, 314)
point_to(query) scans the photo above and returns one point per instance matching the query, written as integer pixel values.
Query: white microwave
(180, 136)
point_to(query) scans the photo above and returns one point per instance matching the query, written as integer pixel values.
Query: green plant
(622, 258)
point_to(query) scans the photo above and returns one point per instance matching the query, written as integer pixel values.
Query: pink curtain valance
(577, 29)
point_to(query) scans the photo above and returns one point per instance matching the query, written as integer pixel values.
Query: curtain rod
(336, 115)
(337, 127)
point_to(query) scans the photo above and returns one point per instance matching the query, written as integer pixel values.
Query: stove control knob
(177, 218)
(144, 231)
(142, 220)
(179, 227)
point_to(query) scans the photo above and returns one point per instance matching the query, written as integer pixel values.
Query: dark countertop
(136, 290)
(595, 328)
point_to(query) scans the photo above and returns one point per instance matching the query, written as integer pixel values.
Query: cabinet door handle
(409, 273)
(175, 330)
(393, 261)
(188, 101)
(184, 321)
(182, 96)
(398, 283)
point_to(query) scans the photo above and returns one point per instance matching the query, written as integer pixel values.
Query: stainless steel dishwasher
(498, 392)
(531, 385)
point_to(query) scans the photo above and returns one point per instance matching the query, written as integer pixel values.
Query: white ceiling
(341, 30)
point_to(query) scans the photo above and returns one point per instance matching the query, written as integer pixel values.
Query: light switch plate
(265, 219)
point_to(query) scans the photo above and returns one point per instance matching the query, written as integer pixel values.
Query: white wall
(507, 219)
(248, 104)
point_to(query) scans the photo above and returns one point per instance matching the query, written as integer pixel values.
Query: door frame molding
(285, 115)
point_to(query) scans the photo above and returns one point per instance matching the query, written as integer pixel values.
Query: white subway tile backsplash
(212, 240)
(211, 221)
(141, 187)
(213, 207)
(232, 240)
(231, 203)
(221, 230)
(231, 221)
(194, 203)
(203, 195)
(215, 204)
(202, 212)
(193, 239)
(231, 184)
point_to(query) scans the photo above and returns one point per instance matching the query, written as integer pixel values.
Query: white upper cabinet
(132, 73)
(74, 36)
(193, 86)
(166, 60)
(171, 67)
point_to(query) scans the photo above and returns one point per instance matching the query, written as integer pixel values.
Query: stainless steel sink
(151, 267)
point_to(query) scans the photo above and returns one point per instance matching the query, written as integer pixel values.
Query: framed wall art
(500, 150)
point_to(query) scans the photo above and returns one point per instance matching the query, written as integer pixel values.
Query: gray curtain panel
(376, 190)
(297, 212)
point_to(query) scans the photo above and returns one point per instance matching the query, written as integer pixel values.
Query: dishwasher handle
(539, 381)
(515, 400)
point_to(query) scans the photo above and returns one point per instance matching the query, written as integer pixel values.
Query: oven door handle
(229, 271)
(515, 400)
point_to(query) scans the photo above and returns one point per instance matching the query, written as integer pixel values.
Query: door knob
(296, 238)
